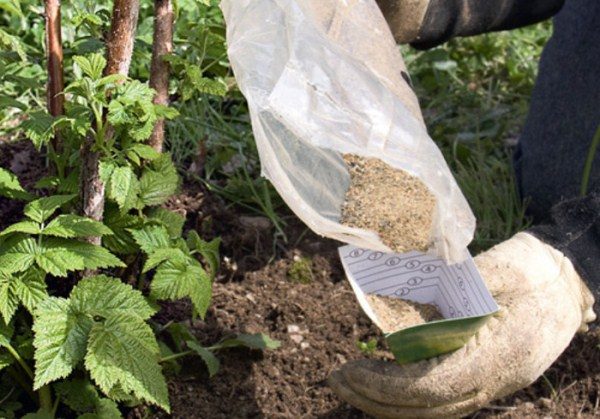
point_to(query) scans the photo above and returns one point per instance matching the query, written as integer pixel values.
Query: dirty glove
(427, 23)
(543, 303)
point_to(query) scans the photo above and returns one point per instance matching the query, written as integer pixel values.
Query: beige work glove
(543, 303)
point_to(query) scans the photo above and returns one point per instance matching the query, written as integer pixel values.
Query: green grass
(474, 93)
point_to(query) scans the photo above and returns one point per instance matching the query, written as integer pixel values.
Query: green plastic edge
(433, 339)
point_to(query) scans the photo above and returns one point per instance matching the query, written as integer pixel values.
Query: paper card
(458, 291)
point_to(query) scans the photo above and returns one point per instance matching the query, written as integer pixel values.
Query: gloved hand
(427, 23)
(543, 303)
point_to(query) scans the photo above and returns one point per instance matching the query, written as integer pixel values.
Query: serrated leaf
(208, 250)
(41, 209)
(10, 186)
(91, 65)
(171, 220)
(145, 152)
(28, 227)
(104, 296)
(252, 341)
(9, 302)
(123, 352)
(60, 340)
(151, 238)
(121, 241)
(174, 280)
(79, 394)
(160, 255)
(123, 187)
(159, 182)
(107, 409)
(18, 255)
(30, 288)
(58, 261)
(38, 128)
(93, 257)
(111, 79)
(69, 226)
(106, 169)
(102, 322)
(211, 361)
(118, 114)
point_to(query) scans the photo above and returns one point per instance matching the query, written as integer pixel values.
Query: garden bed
(296, 293)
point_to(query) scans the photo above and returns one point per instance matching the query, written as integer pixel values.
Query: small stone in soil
(394, 314)
(391, 202)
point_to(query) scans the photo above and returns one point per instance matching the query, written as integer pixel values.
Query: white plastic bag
(324, 78)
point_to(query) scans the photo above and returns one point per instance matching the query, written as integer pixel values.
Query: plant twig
(56, 100)
(159, 70)
(119, 50)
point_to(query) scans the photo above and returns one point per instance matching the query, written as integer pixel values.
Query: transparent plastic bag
(324, 78)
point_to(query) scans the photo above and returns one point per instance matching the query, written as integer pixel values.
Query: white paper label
(457, 290)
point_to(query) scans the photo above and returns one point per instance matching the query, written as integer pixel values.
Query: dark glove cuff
(574, 229)
(446, 19)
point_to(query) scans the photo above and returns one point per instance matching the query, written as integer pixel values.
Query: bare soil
(391, 202)
(395, 314)
(318, 324)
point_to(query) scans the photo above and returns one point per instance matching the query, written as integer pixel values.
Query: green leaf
(160, 255)
(40, 414)
(121, 241)
(6, 333)
(208, 250)
(10, 186)
(9, 102)
(93, 257)
(145, 152)
(38, 128)
(112, 79)
(106, 169)
(56, 256)
(171, 220)
(103, 323)
(253, 341)
(69, 226)
(104, 296)
(12, 43)
(122, 352)
(18, 255)
(177, 279)
(41, 209)
(28, 227)
(30, 288)
(118, 114)
(58, 261)
(159, 182)
(61, 335)
(123, 187)
(211, 361)
(106, 409)
(92, 65)
(11, 6)
(151, 238)
(9, 302)
(79, 394)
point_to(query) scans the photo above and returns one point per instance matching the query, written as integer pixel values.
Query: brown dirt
(318, 324)
(396, 205)
(396, 314)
